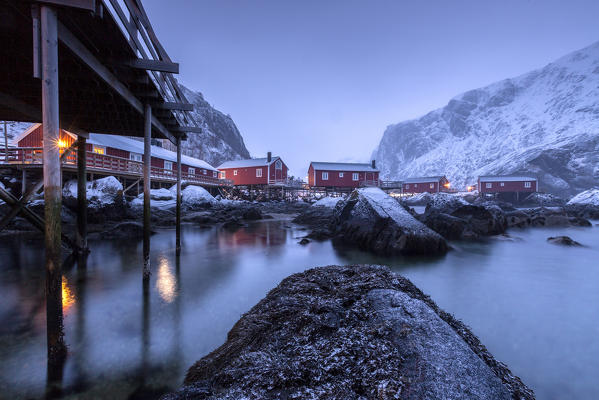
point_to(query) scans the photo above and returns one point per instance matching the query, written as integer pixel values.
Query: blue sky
(321, 80)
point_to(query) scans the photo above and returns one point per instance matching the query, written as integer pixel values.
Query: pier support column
(178, 239)
(81, 194)
(52, 186)
(23, 181)
(147, 169)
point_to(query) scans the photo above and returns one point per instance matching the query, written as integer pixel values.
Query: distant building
(342, 175)
(430, 184)
(256, 171)
(505, 184)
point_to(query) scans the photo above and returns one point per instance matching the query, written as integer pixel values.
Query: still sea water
(533, 304)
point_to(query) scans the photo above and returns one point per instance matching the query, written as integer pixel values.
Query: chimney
(373, 164)
(269, 157)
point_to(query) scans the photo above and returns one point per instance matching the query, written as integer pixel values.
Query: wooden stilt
(147, 167)
(81, 194)
(178, 239)
(5, 142)
(52, 185)
(23, 182)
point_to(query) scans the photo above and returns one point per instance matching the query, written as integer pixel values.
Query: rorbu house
(430, 184)
(119, 156)
(507, 184)
(342, 175)
(255, 171)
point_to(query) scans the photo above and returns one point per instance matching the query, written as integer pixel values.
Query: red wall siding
(246, 176)
(336, 181)
(35, 138)
(512, 186)
(421, 187)
(278, 174)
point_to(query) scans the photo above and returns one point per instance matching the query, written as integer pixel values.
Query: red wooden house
(342, 175)
(256, 171)
(505, 184)
(430, 184)
(115, 155)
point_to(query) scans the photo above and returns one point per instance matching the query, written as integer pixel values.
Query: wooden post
(178, 239)
(52, 185)
(5, 142)
(147, 168)
(81, 193)
(23, 181)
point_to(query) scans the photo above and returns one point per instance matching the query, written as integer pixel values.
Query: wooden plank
(155, 65)
(192, 129)
(169, 105)
(89, 5)
(69, 40)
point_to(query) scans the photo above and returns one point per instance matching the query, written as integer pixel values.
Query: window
(279, 164)
(191, 171)
(235, 172)
(355, 176)
(432, 185)
(204, 172)
(99, 149)
(415, 185)
(168, 165)
(527, 184)
(325, 176)
(502, 184)
(258, 172)
(407, 185)
(340, 174)
(214, 174)
(133, 156)
(488, 185)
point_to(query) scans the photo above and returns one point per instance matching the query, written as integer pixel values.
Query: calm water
(535, 305)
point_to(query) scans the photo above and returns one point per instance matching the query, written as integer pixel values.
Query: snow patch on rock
(195, 196)
(588, 197)
(99, 193)
(328, 201)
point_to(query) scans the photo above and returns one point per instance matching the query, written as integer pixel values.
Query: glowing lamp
(62, 143)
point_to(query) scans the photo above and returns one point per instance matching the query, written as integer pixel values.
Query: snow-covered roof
(131, 145)
(499, 178)
(337, 166)
(252, 162)
(137, 146)
(423, 179)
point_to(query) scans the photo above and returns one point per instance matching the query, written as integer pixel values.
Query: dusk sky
(321, 80)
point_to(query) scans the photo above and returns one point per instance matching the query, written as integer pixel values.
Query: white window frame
(214, 174)
(528, 185)
(258, 172)
(489, 185)
(278, 164)
(234, 172)
(502, 184)
(136, 157)
(355, 176)
(340, 174)
(415, 185)
(407, 185)
(204, 172)
(432, 186)
(168, 165)
(191, 171)
(325, 176)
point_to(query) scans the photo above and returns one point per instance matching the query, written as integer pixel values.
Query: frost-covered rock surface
(196, 196)
(101, 192)
(543, 122)
(350, 332)
(328, 201)
(445, 201)
(588, 197)
(220, 139)
(373, 220)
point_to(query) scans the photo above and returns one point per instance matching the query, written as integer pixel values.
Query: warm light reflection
(447, 185)
(68, 298)
(62, 143)
(166, 283)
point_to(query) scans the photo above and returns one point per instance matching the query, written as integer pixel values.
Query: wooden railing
(369, 183)
(108, 163)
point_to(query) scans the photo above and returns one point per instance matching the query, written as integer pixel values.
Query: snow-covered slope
(544, 122)
(13, 128)
(220, 140)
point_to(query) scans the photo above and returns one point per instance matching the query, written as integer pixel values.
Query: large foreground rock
(371, 219)
(351, 332)
(465, 221)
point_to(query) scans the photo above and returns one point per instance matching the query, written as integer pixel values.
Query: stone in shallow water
(564, 241)
(350, 332)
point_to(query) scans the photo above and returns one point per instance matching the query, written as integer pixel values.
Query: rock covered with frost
(105, 199)
(588, 197)
(375, 221)
(196, 197)
(349, 332)
(328, 201)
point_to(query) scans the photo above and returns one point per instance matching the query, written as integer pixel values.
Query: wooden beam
(192, 129)
(69, 40)
(89, 5)
(155, 65)
(20, 106)
(169, 105)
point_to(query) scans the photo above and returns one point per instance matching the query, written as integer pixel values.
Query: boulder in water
(564, 241)
(375, 221)
(350, 332)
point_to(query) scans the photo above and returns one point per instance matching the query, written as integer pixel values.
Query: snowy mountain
(220, 140)
(545, 122)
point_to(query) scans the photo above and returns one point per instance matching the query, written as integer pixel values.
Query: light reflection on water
(535, 305)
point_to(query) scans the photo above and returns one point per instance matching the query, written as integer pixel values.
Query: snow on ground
(588, 197)
(196, 195)
(387, 206)
(330, 202)
(99, 192)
